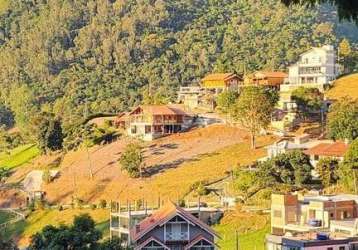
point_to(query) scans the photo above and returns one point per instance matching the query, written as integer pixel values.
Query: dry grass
(176, 162)
(343, 87)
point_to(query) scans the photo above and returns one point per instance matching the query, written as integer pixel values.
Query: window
(134, 130)
(177, 229)
(330, 248)
(277, 213)
(342, 248)
(331, 215)
(316, 157)
(202, 245)
(148, 129)
(153, 246)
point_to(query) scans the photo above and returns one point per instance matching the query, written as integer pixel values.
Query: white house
(315, 68)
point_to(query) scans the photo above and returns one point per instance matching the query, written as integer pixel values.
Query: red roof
(163, 215)
(159, 110)
(337, 149)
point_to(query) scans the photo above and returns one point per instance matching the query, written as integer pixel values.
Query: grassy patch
(249, 241)
(4, 5)
(208, 167)
(5, 216)
(345, 86)
(39, 219)
(251, 228)
(18, 156)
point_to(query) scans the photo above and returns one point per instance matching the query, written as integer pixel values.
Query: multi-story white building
(316, 68)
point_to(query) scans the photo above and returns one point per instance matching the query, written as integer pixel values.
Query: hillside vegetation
(76, 58)
(346, 86)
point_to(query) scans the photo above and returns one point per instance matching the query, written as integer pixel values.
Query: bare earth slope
(172, 163)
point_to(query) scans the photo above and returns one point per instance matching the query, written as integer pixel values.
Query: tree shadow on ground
(161, 168)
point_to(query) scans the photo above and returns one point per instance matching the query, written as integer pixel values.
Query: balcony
(176, 236)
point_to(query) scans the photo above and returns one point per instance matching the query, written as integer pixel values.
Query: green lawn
(18, 156)
(250, 241)
(36, 221)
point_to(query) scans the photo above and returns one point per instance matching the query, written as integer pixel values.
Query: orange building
(221, 81)
(264, 78)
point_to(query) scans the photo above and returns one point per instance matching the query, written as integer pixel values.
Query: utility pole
(237, 239)
(90, 163)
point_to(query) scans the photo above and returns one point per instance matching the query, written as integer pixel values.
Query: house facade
(334, 151)
(313, 222)
(172, 228)
(149, 122)
(220, 82)
(264, 78)
(315, 68)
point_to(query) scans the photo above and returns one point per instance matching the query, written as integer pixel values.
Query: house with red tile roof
(335, 150)
(171, 227)
(149, 122)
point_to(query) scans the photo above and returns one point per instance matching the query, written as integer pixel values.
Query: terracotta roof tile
(163, 215)
(160, 110)
(337, 149)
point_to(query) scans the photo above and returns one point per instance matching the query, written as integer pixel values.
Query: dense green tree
(347, 171)
(131, 159)
(346, 55)
(226, 100)
(327, 171)
(347, 9)
(6, 116)
(49, 136)
(80, 58)
(111, 244)
(80, 236)
(308, 99)
(7, 244)
(253, 110)
(343, 120)
(291, 168)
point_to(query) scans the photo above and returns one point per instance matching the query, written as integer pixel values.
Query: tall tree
(343, 120)
(308, 100)
(253, 110)
(345, 53)
(347, 9)
(226, 100)
(131, 159)
(48, 132)
(347, 171)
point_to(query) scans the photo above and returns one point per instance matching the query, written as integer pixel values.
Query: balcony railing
(176, 236)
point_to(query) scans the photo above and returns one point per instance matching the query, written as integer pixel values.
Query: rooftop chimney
(137, 228)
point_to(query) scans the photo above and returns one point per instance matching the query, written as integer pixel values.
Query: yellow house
(220, 81)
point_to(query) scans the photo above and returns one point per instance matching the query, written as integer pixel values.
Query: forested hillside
(74, 58)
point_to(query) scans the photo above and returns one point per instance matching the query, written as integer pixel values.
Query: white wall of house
(315, 68)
